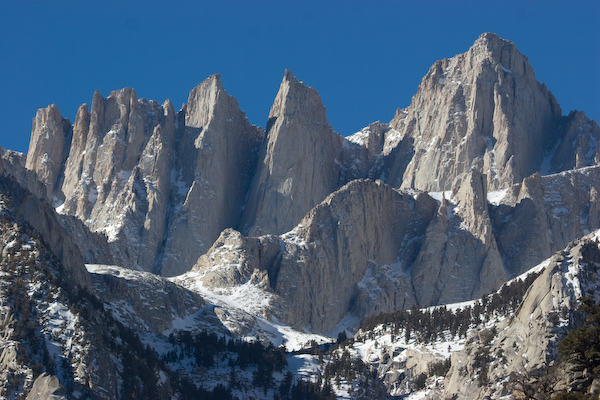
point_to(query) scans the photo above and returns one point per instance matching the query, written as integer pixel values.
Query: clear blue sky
(366, 59)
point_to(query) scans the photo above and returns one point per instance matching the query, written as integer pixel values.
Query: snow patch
(295, 238)
(547, 161)
(503, 68)
(438, 196)
(497, 196)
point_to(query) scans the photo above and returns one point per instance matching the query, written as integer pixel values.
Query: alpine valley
(451, 253)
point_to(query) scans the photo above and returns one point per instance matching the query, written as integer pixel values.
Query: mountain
(183, 227)
(489, 112)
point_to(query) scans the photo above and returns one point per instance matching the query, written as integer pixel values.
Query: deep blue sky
(366, 59)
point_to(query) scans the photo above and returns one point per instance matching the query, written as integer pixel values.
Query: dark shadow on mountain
(395, 163)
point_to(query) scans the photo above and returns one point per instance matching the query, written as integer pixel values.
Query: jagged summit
(502, 54)
(296, 97)
(484, 109)
(498, 48)
(204, 100)
(133, 169)
(50, 139)
(263, 232)
(140, 172)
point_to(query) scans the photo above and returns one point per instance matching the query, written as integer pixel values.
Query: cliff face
(360, 238)
(482, 108)
(368, 248)
(214, 167)
(299, 161)
(160, 185)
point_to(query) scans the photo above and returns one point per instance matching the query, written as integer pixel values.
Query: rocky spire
(299, 163)
(48, 146)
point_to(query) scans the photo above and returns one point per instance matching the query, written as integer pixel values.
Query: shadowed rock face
(47, 387)
(42, 218)
(576, 144)
(154, 302)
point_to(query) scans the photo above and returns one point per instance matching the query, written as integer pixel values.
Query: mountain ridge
(297, 228)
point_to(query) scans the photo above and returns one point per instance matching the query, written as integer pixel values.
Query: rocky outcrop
(14, 165)
(48, 147)
(444, 272)
(46, 387)
(146, 302)
(298, 164)
(235, 259)
(342, 245)
(482, 108)
(576, 144)
(362, 153)
(237, 275)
